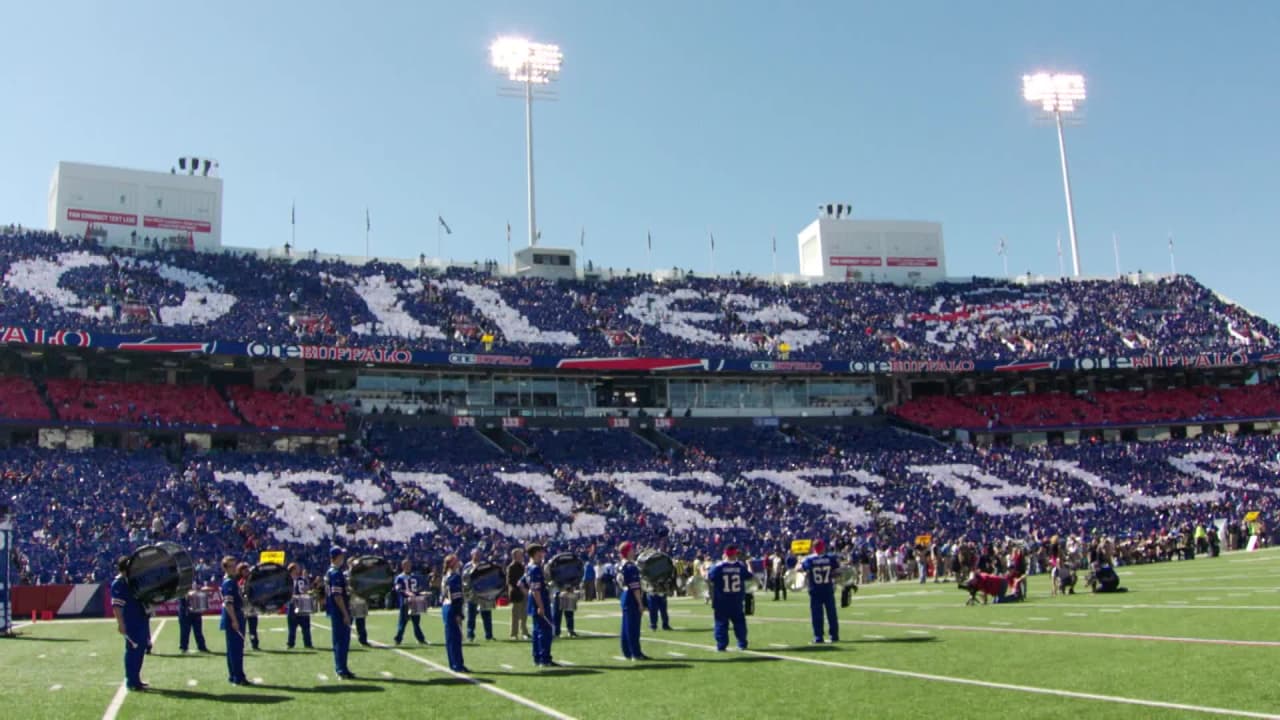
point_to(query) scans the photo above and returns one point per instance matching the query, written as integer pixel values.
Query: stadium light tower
(1058, 95)
(530, 64)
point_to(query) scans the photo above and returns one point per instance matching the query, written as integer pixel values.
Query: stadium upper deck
(67, 292)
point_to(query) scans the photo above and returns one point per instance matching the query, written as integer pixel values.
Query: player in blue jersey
(233, 621)
(539, 606)
(452, 610)
(820, 572)
(729, 580)
(190, 622)
(132, 623)
(406, 586)
(299, 617)
(336, 606)
(632, 601)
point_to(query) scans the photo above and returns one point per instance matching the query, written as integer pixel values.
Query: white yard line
(1038, 631)
(487, 687)
(122, 692)
(995, 685)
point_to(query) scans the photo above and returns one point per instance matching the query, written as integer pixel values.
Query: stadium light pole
(1059, 94)
(530, 64)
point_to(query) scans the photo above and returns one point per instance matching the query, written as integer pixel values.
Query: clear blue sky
(675, 117)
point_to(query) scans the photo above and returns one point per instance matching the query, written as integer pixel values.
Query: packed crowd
(422, 493)
(1058, 410)
(183, 295)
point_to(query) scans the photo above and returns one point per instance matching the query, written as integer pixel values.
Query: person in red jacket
(991, 586)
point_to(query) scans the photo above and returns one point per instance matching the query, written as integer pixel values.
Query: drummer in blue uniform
(406, 586)
(131, 622)
(233, 623)
(452, 610)
(336, 600)
(299, 618)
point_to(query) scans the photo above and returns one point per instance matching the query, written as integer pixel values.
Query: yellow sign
(271, 556)
(1252, 516)
(801, 547)
(924, 540)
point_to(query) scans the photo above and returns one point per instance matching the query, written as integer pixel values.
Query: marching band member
(451, 611)
(335, 605)
(190, 622)
(233, 622)
(131, 622)
(632, 604)
(299, 619)
(560, 611)
(517, 597)
(728, 580)
(486, 616)
(406, 586)
(820, 572)
(539, 606)
(360, 620)
(250, 612)
(658, 609)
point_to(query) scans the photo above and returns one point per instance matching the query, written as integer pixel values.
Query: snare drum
(568, 601)
(359, 607)
(197, 602)
(417, 604)
(303, 604)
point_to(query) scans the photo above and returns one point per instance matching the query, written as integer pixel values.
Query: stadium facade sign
(65, 337)
(40, 336)
(336, 353)
(1196, 360)
(490, 360)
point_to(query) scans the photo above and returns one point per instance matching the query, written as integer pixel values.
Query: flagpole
(1173, 264)
(713, 251)
(1003, 251)
(293, 225)
(439, 239)
(775, 258)
(1115, 247)
(366, 233)
(649, 237)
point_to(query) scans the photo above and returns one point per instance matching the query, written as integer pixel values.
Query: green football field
(1189, 639)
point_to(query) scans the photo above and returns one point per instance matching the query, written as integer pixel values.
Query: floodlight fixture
(529, 64)
(525, 61)
(1059, 94)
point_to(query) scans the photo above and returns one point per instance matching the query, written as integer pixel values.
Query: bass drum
(565, 571)
(159, 573)
(482, 582)
(796, 580)
(370, 577)
(268, 587)
(697, 587)
(657, 572)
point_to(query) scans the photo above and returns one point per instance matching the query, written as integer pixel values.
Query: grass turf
(944, 660)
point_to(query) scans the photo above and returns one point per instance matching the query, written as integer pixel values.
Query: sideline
(981, 683)
(122, 692)
(513, 697)
(1036, 631)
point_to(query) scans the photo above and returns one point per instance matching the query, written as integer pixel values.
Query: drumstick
(132, 644)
